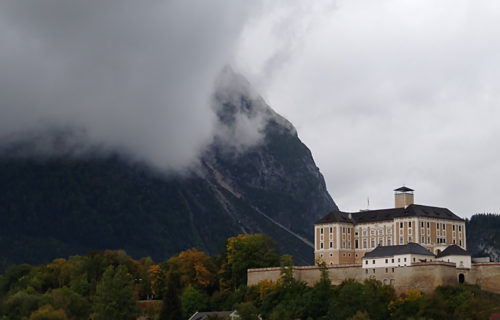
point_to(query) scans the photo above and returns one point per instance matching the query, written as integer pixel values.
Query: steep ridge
(266, 182)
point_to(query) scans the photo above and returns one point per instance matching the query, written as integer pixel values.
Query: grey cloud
(133, 76)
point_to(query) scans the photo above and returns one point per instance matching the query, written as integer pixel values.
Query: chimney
(403, 197)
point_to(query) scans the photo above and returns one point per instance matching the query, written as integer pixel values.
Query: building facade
(344, 238)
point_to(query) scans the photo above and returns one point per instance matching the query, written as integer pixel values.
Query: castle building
(345, 238)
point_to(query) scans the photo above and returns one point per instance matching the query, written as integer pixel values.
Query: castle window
(331, 244)
(409, 224)
(444, 226)
(386, 260)
(423, 239)
(460, 242)
(331, 254)
(331, 230)
(366, 271)
(401, 225)
(453, 227)
(366, 261)
(410, 239)
(373, 261)
(460, 228)
(364, 243)
(392, 260)
(405, 259)
(321, 255)
(386, 271)
(454, 241)
(349, 230)
(321, 245)
(437, 226)
(356, 244)
(422, 224)
(401, 240)
(373, 270)
(428, 225)
(343, 244)
(392, 269)
(399, 259)
(373, 243)
(393, 282)
(388, 241)
(321, 230)
(343, 229)
(428, 239)
(413, 259)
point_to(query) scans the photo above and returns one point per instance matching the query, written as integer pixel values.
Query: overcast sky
(384, 93)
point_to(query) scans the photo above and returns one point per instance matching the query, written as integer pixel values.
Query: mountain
(483, 235)
(247, 181)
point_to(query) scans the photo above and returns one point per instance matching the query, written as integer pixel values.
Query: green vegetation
(111, 285)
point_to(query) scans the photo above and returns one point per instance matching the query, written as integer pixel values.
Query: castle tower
(403, 197)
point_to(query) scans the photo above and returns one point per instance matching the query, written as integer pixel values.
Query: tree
(157, 276)
(47, 312)
(74, 305)
(171, 308)
(247, 311)
(195, 268)
(114, 297)
(347, 301)
(318, 298)
(191, 301)
(244, 252)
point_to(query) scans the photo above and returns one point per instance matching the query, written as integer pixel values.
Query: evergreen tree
(115, 299)
(171, 308)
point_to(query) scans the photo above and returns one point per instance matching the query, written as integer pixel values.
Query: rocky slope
(262, 181)
(483, 235)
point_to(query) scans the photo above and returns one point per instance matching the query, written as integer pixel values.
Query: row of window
(439, 226)
(392, 260)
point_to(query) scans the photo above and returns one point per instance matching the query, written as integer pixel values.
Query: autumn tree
(195, 269)
(157, 279)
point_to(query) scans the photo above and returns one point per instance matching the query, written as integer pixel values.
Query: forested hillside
(483, 235)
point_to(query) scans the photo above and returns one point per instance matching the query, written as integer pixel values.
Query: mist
(136, 78)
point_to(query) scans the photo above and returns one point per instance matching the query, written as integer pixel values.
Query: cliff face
(249, 181)
(483, 235)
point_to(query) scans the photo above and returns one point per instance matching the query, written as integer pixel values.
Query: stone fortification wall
(422, 276)
(308, 274)
(485, 275)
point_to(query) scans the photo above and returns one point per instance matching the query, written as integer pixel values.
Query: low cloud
(127, 76)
